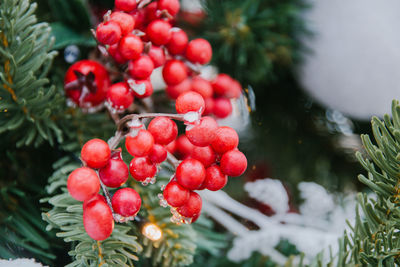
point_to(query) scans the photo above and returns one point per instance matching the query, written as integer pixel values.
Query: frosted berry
(202, 86)
(173, 91)
(141, 144)
(190, 173)
(226, 139)
(125, 5)
(148, 88)
(202, 134)
(199, 51)
(141, 68)
(205, 155)
(83, 183)
(222, 84)
(158, 154)
(125, 21)
(98, 220)
(163, 129)
(119, 96)
(233, 163)
(192, 207)
(159, 32)
(189, 101)
(142, 168)
(130, 46)
(115, 173)
(174, 72)
(183, 146)
(175, 194)
(126, 202)
(215, 178)
(108, 33)
(157, 55)
(178, 42)
(222, 107)
(172, 6)
(95, 153)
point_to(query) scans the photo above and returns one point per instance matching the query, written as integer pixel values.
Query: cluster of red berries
(83, 184)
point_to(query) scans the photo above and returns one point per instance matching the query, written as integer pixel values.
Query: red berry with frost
(183, 146)
(141, 68)
(141, 144)
(233, 163)
(158, 153)
(126, 202)
(172, 6)
(215, 178)
(174, 72)
(159, 32)
(190, 173)
(222, 84)
(222, 107)
(119, 96)
(202, 134)
(116, 55)
(205, 155)
(98, 220)
(83, 183)
(94, 198)
(225, 139)
(157, 55)
(175, 194)
(144, 89)
(173, 91)
(108, 33)
(199, 51)
(178, 42)
(95, 153)
(189, 101)
(142, 168)
(125, 21)
(202, 86)
(130, 46)
(192, 207)
(115, 173)
(163, 129)
(125, 5)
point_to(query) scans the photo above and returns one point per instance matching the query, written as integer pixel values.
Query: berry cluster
(83, 184)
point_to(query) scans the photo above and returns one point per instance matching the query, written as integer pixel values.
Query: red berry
(202, 86)
(192, 207)
(215, 179)
(178, 42)
(202, 134)
(75, 85)
(119, 96)
(225, 139)
(173, 91)
(190, 173)
(236, 90)
(224, 85)
(189, 101)
(199, 51)
(126, 202)
(98, 220)
(115, 173)
(114, 52)
(157, 55)
(163, 129)
(108, 33)
(142, 168)
(174, 72)
(139, 16)
(94, 198)
(175, 194)
(158, 154)
(125, 21)
(151, 12)
(95, 153)
(141, 144)
(125, 5)
(130, 46)
(148, 88)
(172, 6)
(141, 68)
(205, 155)
(222, 107)
(184, 146)
(158, 32)
(83, 183)
(171, 147)
(209, 106)
(233, 163)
